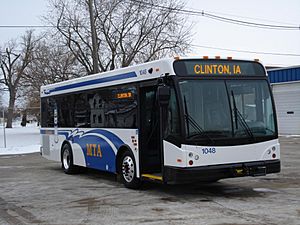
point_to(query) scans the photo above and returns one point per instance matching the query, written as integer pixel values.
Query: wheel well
(62, 145)
(121, 151)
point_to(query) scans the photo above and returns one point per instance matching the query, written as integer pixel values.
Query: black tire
(67, 160)
(127, 171)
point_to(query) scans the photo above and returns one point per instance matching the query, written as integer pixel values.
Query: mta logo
(93, 150)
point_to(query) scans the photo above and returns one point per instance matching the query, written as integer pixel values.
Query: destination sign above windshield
(218, 67)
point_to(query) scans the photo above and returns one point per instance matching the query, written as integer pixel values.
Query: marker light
(274, 156)
(179, 160)
(191, 162)
(229, 58)
(256, 60)
(176, 57)
(218, 57)
(205, 57)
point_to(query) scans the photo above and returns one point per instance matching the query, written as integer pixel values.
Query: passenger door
(149, 131)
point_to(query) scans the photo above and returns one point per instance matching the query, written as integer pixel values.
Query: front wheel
(128, 171)
(67, 160)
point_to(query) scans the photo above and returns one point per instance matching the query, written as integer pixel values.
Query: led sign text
(217, 69)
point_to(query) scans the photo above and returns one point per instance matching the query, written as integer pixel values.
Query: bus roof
(145, 71)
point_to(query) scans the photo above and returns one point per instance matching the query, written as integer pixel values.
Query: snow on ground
(20, 140)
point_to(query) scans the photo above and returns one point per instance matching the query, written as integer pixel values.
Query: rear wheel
(67, 160)
(128, 171)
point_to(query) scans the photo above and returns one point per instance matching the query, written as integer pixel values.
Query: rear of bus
(228, 122)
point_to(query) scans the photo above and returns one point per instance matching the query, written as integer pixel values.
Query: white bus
(173, 121)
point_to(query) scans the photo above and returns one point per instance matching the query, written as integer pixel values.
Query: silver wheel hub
(128, 169)
(66, 159)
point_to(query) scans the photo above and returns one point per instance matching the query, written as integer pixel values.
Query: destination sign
(218, 67)
(124, 95)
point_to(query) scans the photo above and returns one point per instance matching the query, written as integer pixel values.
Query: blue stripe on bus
(107, 160)
(110, 136)
(92, 82)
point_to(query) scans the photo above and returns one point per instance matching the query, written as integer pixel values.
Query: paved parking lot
(36, 191)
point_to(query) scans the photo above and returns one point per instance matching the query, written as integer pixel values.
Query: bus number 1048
(208, 151)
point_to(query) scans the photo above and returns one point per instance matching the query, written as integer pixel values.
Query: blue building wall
(284, 75)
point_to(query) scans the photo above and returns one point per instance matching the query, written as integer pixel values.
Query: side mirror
(163, 95)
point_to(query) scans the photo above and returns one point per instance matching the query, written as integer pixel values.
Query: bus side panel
(51, 145)
(97, 148)
(174, 156)
(78, 155)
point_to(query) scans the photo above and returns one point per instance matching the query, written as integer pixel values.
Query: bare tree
(13, 63)
(52, 63)
(128, 32)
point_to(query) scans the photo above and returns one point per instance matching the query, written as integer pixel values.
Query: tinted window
(173, 127)
(47, 112)
(81, 110)
(65, 110)
(107, 108)
(114, 108)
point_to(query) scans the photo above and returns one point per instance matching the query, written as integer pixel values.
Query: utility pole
(4, 136)
(94, 38)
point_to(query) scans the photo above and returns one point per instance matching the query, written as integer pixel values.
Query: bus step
(154, 176)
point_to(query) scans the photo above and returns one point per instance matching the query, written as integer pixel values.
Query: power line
(186, 12)
(246, 51)
(219, 18)
(251, 24)
(232, 50)
(27, 26)
(252, 18)
(37, 26)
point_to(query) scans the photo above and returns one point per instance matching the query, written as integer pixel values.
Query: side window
(47, 112)
(113, 107)
(65, 106)
(150, 114)
(173, 127)
(81, 110)
(125, 108)
(97, 101)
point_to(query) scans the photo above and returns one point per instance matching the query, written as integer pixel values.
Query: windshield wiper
(190, 120)
(239, 116)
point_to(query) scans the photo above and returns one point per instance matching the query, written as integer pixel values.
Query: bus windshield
(222, 109)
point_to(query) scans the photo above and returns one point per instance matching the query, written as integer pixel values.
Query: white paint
(164, 66)
(223, 154)
(172, 154)
(287, 99)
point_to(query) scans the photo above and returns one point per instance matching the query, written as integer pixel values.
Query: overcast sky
(207, 32)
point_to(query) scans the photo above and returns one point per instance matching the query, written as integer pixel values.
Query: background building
(285, 83)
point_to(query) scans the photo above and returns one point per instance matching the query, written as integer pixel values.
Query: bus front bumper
(215, 172)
